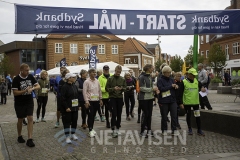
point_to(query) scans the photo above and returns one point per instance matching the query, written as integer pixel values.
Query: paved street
(50, 143)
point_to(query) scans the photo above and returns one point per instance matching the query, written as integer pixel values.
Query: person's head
(99, 72)
(64, 72)
(3, 80)
(62, 69)
(83, 74)
(92, 73)
(24, 70)
(127, 75)
(148, 68)
(106, 69)
(156, 73)
(44, 74)
(163, 65)
(9, 75)
(118, 70)
(177, 76)
(192, 73)
(166, 71)
(70, 77)
(200, 66)
(131, 72)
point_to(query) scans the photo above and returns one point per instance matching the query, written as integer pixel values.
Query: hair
(63, 67)
(127, 73)
(24, 65)
(42, 72)
(147, 67)
(163, 65)
(118, 67)
(166, 69)
(83, 71)
(177, 73)
(91, 70)
(99, 71)
(65, 72)
(200, 65)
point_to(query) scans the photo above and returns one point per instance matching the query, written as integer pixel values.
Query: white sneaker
(164, 133)
(37, 120)
(118, 132)
(94, 132)
(91, 134)
(68, 140)
(74, 137)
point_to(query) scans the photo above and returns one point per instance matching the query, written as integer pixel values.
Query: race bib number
(44, 90)
(166, 94)
(196, 113)
(74, 102)
(94, 97)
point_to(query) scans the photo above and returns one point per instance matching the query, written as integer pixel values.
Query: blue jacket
(165, 84)
(57, 80)
(79, 84)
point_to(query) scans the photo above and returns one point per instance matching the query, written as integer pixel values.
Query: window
(219, 36)
(207, 38)
(207, 51)
(226, 49)
(73, 48)
(114, 49)
(87, 48)
(202, 53)
(127, 60)
(145, 61)
(236, 48)
(134, 60)
(201, 39)
(149, 62)
(74, 63)
(58, 48)
(101, 49)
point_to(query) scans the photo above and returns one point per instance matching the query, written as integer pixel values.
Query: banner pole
(195, 52)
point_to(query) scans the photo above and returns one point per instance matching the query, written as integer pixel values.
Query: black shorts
(24, 110)
(58, 104)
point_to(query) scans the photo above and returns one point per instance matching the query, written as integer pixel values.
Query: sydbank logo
(61, 137)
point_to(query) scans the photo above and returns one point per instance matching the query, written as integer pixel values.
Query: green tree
(6, 65)
(176, 64)
(189, 57)
(158, 64)
(216, 58)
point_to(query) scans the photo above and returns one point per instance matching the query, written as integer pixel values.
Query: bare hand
(176, 87)
(101, 103)
(158, 91)
(181, 106)
(173, 85)
(155, 88)
(68, 110)
(116, 88)
(87, 105)
(203, 89)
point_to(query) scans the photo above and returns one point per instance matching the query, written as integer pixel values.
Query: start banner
(44, 20)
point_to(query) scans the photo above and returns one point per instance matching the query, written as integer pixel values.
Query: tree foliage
(158, 64)
(176, 64)
(216, 58)
(5, 65)
(189, 57)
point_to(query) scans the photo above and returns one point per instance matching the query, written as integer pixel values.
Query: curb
(4, 152)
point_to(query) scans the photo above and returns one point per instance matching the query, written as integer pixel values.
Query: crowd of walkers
(99, 91)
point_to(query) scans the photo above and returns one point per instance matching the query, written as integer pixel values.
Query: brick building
(229, 44)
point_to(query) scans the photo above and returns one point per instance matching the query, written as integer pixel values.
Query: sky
(169, 44)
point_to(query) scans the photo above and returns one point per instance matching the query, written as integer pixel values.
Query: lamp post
(35, 64)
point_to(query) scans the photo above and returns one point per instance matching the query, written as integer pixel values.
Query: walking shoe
(164, 133)
(91, 134)
(200, 133)
(84, 126)
(175, 133)
(94, 132)
(37, 120)
(74, 137)
(96, 118)
(114, 134)
(68, 140)
(30, 143)
(43, 120)
(57, 125)
(24, 122)
(102, 119)
(190, 131)
(178, 126)
(21, 140)
(150, 133)
(118, 132)
(128, 118)
(108, 124)
(132, 114)
(144, 134)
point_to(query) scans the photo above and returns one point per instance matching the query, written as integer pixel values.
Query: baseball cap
(106, 67)
(193, 71)
(68, 75)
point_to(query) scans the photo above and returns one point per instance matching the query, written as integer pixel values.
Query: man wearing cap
(105, 96)
(190, 88)
(203, 79)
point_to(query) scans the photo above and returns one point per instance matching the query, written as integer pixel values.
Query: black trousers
(107, 108)
(9, 89)
(3, 98)
(83, 111)
(91, 111)
(127, 99)
(188, 116)
(42, 102)
(146, 120)
(70, 119)
(116, 105)
(164, 109)
(204, 102)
